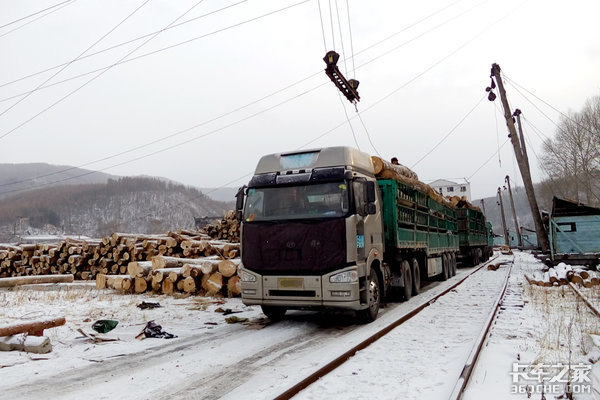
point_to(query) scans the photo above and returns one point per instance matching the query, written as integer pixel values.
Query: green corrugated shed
(574, 228)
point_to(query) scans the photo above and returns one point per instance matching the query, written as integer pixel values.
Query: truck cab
(312, 233)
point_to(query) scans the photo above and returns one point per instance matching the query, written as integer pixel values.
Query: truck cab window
(359, 189)
(321, 200)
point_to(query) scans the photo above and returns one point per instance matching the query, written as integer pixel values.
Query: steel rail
(462, 381)
(341, 359)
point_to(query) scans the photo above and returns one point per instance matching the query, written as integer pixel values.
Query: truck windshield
(322, 200)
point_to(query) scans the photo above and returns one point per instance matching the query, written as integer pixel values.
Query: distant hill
(18, 177)
(226, 194)
(134, 205)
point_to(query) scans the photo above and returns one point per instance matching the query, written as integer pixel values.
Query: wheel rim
(373, 293)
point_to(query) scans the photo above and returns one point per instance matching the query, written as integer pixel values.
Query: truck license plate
(291, 283)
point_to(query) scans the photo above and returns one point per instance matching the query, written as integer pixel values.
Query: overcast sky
(220, 91)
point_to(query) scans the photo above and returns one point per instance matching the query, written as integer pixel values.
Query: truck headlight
(344, 277)
(247, 277)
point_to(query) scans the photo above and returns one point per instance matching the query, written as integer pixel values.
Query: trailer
(475, 236)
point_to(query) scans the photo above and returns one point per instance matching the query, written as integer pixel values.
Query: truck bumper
(300, 292)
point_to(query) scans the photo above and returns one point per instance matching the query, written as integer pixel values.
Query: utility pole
(521, 161)
(512, 205)
(506, 238)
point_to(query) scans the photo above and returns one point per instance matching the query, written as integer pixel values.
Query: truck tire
(454, 263)
(274, 313)
(416, 275)
(445, 274)
(373, 288)
(408, 281)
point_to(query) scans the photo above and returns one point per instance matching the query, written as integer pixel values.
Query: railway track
(461, 384)
(381, 333)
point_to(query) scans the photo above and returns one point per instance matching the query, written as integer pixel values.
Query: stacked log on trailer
(387, 170)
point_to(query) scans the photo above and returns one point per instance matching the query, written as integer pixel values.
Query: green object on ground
(104, 325)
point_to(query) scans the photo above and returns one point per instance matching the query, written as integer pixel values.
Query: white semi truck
(319, 231)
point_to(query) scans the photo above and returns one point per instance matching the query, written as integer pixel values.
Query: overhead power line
(254, 115)
(49, 10)
(76, 58)
(235, 110)
(34, 14)
(121, 44)
(247, 21)
(450, 132)
(95, 77)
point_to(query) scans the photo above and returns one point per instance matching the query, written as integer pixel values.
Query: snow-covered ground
(211, 358)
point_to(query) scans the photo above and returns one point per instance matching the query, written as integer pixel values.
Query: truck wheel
(416, 275)
(445, 274)
(408, 282)
(273, 313)
(453, 257)
(369, 314)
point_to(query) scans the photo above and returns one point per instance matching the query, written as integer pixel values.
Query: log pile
(125, 261)
(210, 276)
(560, 276)
(226, 229)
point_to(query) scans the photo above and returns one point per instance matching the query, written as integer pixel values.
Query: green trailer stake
(413, 220)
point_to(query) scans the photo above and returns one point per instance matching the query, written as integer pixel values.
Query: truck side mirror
(370, 207)
(370, 193)
(239, 203)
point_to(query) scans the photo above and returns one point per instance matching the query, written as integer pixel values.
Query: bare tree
(573, 155)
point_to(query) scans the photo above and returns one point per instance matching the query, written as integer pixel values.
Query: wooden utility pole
(522, 162)
(506, 238)
(512, 205)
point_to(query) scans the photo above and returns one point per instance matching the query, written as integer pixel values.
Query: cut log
(29, 344)
(209, 266)
(380, 165)
(137, 269)
(28, 280)
(213, 284)
(162, 261)
(167, 286)
(576, 278)
(100, 281)
(140, 284)
(530, 280)
(234, 286)
(189, 285)
(227, 268)
(35, 328)
(553, 276)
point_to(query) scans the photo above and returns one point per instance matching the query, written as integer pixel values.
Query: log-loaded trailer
(337, 228)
